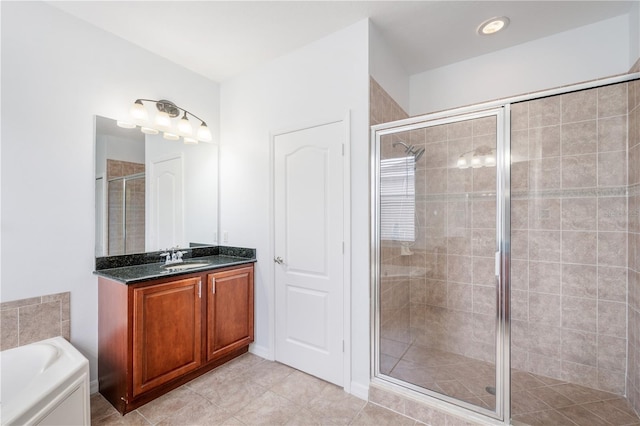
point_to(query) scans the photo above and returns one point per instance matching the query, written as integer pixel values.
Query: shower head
(407, 147)
(410, 149)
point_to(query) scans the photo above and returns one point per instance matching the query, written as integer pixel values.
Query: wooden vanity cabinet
(229, 311)
(157, 335)
(166, 332)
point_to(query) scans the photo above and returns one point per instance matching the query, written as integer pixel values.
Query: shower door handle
(278, 260)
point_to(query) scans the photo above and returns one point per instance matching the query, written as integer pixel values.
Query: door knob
(278, 260)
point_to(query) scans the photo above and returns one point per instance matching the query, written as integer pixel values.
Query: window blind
(397, 199)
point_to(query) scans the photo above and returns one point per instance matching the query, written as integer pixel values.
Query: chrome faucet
(172, 256)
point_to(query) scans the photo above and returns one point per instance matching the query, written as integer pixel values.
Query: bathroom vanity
(162, 325)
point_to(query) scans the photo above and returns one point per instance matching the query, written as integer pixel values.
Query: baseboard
(261, 351)
(93, 386)
(359, 390)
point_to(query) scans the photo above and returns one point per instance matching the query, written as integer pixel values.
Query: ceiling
(221, 39)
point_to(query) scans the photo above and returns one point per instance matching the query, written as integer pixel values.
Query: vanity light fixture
(493, 25)
(163, 121)
(125, 124)
(149, 130)
(170, 136)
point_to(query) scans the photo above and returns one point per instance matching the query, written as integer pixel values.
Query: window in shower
(437, 289)
(397, 199)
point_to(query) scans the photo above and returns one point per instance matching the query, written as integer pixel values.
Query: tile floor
(536, 400)
(251, 391)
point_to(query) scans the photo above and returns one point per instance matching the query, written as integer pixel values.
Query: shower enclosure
(499, 246)
(126, 214)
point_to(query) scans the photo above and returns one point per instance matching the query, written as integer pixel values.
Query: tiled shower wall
(453, 300)
(569, 237)
(394, 286)
(29, 320)
(382, 107)
(633, 346)
(570, 224)
(449, 267)
(134, 207)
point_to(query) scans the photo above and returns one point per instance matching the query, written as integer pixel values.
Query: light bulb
(184, 126)
(125, 124)
(139, 112)
(190, 141)
(475, 162)
(493, 25)
(149, 130)
(163, 120)
(462, 163)
(204, 134)
(170, 136)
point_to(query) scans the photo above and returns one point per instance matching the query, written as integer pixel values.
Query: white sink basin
(186, 265)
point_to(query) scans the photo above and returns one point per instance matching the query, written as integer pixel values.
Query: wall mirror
(152, 193)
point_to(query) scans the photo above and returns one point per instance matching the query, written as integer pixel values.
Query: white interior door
(309, 223)
(166, 212)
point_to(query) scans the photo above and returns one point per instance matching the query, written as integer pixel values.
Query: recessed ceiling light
(493, 25)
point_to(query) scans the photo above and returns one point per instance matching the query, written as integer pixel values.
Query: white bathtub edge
(34, 402)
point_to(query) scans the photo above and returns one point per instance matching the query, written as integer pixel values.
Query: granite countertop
(132, 270)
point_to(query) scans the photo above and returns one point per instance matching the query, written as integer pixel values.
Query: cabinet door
(229, 311)
(167, 332)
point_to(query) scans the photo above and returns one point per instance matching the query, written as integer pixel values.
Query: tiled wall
(382, 107)
(449, 268)
(569, 237)
(394, 284)
(395, 279)
(134, 207)
(453, 300)
(572, 227)
(30, 320)
(633, 308)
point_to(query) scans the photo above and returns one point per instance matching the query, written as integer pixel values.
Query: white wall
(593, 51)
(387, 70)
(322, 81)
(117, 148)
(634, 33)
(57, 73)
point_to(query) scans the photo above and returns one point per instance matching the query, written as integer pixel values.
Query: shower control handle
(278, 260)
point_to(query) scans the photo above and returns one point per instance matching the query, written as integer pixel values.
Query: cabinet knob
(278, 260)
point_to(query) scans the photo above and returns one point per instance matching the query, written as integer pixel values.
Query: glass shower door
(436, 238)
(126, 214)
